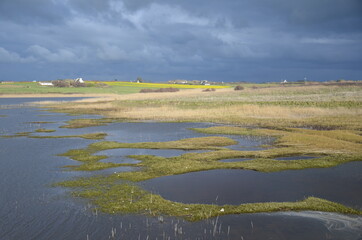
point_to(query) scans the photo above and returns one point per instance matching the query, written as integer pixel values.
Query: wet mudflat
(33, 209)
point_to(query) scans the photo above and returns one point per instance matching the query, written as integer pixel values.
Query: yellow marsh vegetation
(325, 106)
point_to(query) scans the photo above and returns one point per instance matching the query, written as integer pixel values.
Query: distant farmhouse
(205, 82)
(178, 81)
(46, 84)
(79, 80)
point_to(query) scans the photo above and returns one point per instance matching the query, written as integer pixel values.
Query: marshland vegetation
(314, 120)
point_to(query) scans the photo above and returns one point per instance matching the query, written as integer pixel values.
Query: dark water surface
(340, 184)
(32, 209)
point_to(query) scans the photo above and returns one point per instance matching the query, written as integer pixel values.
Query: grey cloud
(33, 12)
(8, 57)
(174, 39)
(60, 55)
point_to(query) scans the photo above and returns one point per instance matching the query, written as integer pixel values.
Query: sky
(161, 40)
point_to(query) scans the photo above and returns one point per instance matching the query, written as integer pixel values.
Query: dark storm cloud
(34, 11)
(165, 39)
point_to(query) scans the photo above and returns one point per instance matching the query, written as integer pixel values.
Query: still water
(32, 209)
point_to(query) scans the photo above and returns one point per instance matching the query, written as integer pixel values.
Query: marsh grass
(19, 134)
(87, 157)
(314, 120)
(43, 130)
(131, 199)
(331, 148)
(319, 107)
(94, 136)
(85, 122)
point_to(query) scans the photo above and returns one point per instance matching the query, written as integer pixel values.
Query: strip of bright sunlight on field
(160, 85)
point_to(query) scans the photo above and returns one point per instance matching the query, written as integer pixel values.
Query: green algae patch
(43, 130)
(85, 122)
(126, 198)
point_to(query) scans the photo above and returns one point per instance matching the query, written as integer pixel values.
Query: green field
(91, 88)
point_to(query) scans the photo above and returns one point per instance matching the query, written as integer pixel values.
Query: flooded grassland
(180, 179)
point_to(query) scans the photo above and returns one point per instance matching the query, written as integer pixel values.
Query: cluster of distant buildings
(77, 80)
(190, 82)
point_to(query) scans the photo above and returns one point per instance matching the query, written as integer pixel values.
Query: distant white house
(205, 82)
(80, 80)
(45, 84)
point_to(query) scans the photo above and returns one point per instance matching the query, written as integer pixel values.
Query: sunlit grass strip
(94, 136)
(161, 85)
(19, 134)
(85, 122)
(131, 199)
(304, 140)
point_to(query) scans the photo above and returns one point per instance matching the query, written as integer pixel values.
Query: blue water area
(296, 158)
(235, 159)
(340, 184)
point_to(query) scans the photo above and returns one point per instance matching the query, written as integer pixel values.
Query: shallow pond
(32, 209)
(340, 184)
